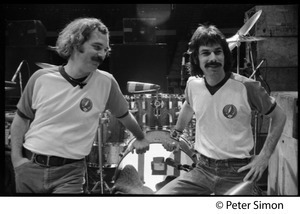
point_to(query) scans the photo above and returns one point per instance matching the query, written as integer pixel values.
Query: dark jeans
(67, 179)
(210, 177)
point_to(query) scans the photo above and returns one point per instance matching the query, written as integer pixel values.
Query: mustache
(97, 59)
(213, 64)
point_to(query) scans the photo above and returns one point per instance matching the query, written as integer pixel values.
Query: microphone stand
(255, 70)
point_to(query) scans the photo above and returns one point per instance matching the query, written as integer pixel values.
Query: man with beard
(222, 102)
(58, 113)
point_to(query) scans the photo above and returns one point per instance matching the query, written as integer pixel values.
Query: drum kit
(9, 85)
(156, 113)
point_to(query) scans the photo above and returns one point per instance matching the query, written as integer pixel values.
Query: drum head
(151, 166)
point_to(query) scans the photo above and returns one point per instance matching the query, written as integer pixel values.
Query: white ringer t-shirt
(223, 119)
(64, 117)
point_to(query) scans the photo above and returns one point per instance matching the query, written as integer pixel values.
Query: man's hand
(257, 166)
(141, 146)
(171, 146)
(19, 162)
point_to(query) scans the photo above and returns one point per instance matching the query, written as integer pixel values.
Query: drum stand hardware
(253, 75)
(100, 141)
(18, 72)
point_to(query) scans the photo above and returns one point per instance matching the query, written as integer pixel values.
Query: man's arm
(185, 115)
(141, 144)
(261, 161)
(278, 119)
(19, 127)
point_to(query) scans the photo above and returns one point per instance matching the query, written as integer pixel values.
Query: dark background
(158, 62)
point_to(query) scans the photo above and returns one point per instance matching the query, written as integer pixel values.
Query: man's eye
(98, 48)
(205, 53)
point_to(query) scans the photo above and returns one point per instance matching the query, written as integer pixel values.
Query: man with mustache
(58, 113)
(222, 102)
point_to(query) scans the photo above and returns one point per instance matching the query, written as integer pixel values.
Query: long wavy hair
(76, 33)
(203, 36)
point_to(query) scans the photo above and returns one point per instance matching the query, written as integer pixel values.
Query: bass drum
(151, 166)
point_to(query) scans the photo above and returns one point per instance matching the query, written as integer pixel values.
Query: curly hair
(203, 36)
(76, 33)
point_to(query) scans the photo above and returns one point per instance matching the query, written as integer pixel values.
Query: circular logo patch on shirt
(229, 111)
(86, 104)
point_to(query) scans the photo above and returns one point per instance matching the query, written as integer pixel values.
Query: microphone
(137, 87)
(17, 72)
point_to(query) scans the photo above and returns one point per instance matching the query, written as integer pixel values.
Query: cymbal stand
(100, 141)
(238, 44)
(251, 60)
(255, 112)
(238, 58)
(21, 84)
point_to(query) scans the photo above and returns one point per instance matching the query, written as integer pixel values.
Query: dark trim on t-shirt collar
(73, 82)
(213, 89)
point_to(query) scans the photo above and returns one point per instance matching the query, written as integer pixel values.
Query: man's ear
(193, 57)
(79, 48)
(195, 60)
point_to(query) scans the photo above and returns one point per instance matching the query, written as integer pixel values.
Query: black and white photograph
(152, 100)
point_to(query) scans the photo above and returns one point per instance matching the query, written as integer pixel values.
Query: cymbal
(45, 65)
(244, 30)
(245, 39)
(10, 82)
(9, 88)
(249, 24)
(51, 48)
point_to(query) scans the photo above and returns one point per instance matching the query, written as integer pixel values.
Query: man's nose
(102, 55)
(212, 56)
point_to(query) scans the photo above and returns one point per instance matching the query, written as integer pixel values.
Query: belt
(212, 161)
(46, 160)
